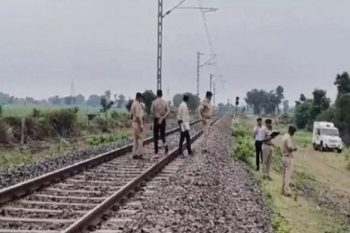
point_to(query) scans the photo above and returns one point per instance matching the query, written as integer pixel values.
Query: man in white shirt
(259, 135)
(183, 119)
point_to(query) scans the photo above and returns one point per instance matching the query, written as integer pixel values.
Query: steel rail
(94, 216)
(26, 187)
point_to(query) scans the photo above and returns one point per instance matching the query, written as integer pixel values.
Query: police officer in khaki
(137, 113)
(205, 114)
(288, 149)
(160, 111)
(267, 149)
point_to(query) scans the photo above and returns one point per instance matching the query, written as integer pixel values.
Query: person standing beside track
(259, 135)
(160, 111)
(205, 114)
(183, 118)
(267, 150)
(137, 113)
(288, 148)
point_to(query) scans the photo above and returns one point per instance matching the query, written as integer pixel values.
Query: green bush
(244, 145)
(4, 132)
(62, 123)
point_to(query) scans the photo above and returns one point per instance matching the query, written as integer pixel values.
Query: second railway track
(73, 198)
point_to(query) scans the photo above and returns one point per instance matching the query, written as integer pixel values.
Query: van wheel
(339, 151)
(321, 147)
(315, 146)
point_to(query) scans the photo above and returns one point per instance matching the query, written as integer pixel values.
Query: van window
(330, 132)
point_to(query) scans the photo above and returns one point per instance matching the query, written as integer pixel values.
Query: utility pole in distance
(214, 94)
(160, 32)
(198, 70)
(211, 82)
(160, 44)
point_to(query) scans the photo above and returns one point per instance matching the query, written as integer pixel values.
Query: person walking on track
(137, 113)
(287, 149)
(205, 114)
(267, 150)
(160, 110)
(183, 119)
(259, 135)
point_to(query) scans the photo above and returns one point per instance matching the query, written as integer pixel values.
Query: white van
(326, 137)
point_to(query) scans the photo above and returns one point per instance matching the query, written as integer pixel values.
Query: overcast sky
(111, 44)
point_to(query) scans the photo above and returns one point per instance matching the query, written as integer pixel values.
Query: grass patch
(303, 138)
(303, 212)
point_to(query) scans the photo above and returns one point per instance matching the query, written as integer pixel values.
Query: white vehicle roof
(323, 124)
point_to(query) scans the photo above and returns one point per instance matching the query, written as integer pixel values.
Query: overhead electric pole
(160, 45)
(160, 35)
(198, 70)
(214, 93)
(211, 82)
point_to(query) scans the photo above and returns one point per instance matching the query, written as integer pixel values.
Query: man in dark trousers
(160, 110)
(183, 119)
(259, 135)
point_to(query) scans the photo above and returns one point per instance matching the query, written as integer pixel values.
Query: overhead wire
(209, 39)
(176, 6)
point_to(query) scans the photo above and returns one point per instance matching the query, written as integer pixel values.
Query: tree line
(93, 100)
(320, 108)
(266, 102)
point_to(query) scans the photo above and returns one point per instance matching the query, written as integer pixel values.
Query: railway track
(76, 198)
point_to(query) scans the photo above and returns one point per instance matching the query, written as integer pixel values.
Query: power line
(176, 6)
(204, 18)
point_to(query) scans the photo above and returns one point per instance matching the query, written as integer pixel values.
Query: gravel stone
(209, 193)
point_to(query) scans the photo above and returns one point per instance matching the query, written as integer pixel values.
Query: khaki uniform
(267, 153)
(205, 114)
(160, 111)
(287, 146)
(137, 112)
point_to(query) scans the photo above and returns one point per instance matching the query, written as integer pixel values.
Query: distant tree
(93, 100)
(279, 96)
(254, 99)
(55, 100)
(79, 100)
(129, 104)
(343, 83)
(177, 99)
(342, 116)
(4, 98)
(193, 101)
(302, 114)
(29, 100)
(148, 97)
(285, 106)
(302, 98)
(68, 100)
(106, 104)
(319, 104)
(121, 101)
(0, 110)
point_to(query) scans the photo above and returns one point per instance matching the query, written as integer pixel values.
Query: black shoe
(166, 149)
(135, 156)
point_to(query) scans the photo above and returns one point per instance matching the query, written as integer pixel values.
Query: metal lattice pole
(198, 68)
(160, 44)
(211, 82)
